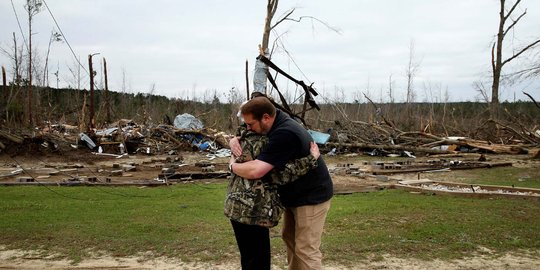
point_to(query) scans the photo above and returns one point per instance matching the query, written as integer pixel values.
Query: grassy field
(186, 221)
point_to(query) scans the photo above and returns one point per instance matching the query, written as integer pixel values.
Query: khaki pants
(302, 231)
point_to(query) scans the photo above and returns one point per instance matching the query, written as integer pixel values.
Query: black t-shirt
(288, 140)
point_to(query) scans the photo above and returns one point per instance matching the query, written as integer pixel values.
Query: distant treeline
(69, 106)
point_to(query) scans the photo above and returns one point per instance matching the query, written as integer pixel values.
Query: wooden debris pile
(120, 138)
(387, 138)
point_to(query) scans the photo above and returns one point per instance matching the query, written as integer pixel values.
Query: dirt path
(18, 259)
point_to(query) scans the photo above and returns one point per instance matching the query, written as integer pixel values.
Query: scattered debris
(428, 186)
(411, 152)
(89, 142)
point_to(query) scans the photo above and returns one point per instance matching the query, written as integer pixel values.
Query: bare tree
(11, 95)
(55, 37)
(15, 57)
(4, 80)
(76, 74)
(124, 80)
(261, 71)
(391, 89)
(106, 93)
(411, 71)
(482, 91)
(32, 7)
(271, 8)
(268, 26)
(497, 61)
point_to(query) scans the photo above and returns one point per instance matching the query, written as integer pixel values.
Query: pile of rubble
(387, 138)
(120, 138)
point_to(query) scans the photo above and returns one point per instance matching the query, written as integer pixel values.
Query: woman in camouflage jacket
(253, 206)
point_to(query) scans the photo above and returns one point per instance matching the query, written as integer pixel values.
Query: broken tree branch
(527, 94)
(381, 114)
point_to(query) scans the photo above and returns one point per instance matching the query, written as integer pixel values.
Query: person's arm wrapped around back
(293, 170)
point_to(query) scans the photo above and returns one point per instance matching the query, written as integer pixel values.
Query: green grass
(404, 224)
(177, 221)
(187, 222)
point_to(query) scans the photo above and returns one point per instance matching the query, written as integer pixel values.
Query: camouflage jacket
(256, 202)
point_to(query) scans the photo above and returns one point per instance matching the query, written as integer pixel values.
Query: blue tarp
(319, 137)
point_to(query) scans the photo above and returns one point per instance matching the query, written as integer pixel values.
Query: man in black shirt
(307, 200)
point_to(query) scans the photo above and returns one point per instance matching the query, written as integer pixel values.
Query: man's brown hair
(257, 107)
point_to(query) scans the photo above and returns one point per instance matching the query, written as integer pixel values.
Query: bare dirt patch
(18, 259)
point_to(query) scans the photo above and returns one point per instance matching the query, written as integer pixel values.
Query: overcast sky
(192, 48)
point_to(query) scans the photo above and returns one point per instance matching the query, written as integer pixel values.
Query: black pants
(254, 245)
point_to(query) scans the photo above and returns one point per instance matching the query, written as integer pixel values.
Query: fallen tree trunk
(484, 145)
(392, 147)
(501, 149)
(11, 137)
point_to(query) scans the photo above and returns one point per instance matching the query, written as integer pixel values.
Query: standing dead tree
(106, 93)
(32, 7)
(497, 61)
(4, 80)
(55, 37)
(271, 9)
(91, 121)
(411, 71)
(11, 105)
(262, 74)
(3, 91)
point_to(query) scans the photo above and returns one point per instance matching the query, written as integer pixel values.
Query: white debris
(475, 189)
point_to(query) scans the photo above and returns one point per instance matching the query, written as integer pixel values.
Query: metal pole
(247, 80)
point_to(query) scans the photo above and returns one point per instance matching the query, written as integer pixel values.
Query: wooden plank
(195, 175)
